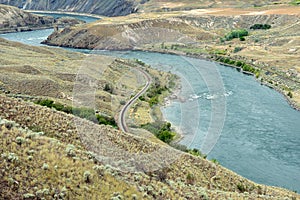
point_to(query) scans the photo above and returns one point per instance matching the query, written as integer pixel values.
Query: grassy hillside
(46, 162)
(40, 167)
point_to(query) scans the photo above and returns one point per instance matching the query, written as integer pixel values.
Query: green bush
(236, 34)
(215, 161)
(241, 187)
(162, 130)
(153, 94)
(108, 88)
(106, 120)
(140, 62)
(260, 26)
(239, 63)
(237, 49)
(45, 102)
(290, 94)
(86, 113)
(196, 152)
(166, 136)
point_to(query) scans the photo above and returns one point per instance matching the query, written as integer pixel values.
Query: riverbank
(68, 13)
(22, 29)
(16, 20)
(212, 58)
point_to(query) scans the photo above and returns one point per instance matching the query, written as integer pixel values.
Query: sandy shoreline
(167, 101)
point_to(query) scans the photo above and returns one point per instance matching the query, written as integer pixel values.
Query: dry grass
(167, 5)
(61, 130)
(48, 168)
(51, 73)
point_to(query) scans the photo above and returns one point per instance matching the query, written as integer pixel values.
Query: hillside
(273, 51)
(53, 153)
(125, 7)
(13, 19)
(50, 154)
(56, 71)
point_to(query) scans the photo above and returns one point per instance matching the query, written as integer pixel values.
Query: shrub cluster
(86, 113)
(240, 33)
(140, 62)
(153, 94)
(244, 66)
(162, 130)
(260, 26)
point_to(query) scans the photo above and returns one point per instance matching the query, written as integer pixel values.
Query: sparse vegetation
(86, 113)
(152, 95)
(53, 174)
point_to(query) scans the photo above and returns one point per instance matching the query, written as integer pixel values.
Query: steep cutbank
(125, 36)
(13, 19)
(102, 7)
(125, 7)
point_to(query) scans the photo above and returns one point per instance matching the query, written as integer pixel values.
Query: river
(257, 133)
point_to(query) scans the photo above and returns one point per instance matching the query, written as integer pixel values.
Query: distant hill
(100, 7)
(125, 7)
(13, 19)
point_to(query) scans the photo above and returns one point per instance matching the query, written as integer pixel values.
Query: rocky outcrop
(13, 19)
(100, 7)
